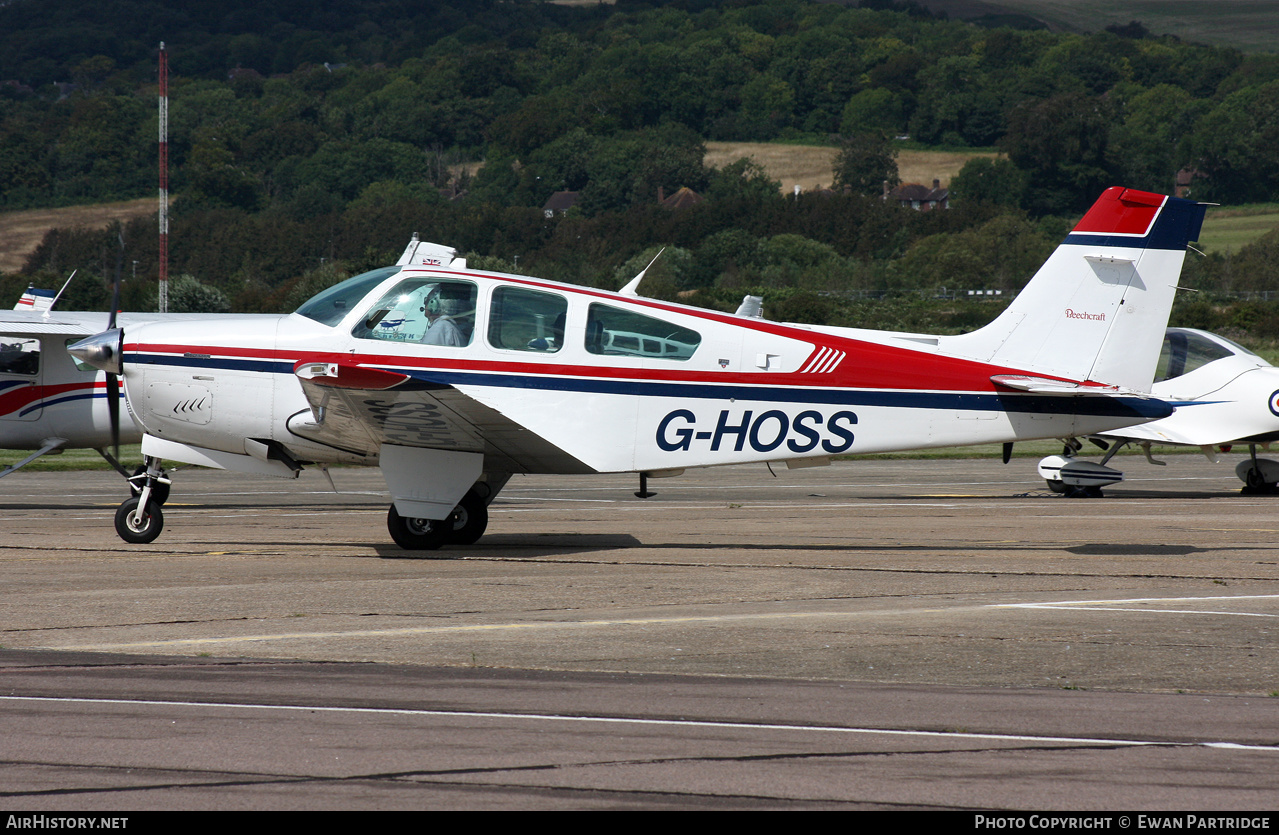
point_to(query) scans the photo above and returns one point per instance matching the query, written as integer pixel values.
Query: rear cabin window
(527, 320)
(611, 331)
(426, 310)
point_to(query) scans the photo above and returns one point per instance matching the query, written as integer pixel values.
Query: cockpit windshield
(1184, 351)
(329, 307)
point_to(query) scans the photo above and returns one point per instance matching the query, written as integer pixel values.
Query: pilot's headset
(432, 305)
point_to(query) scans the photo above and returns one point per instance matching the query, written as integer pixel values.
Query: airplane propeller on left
(50, 401)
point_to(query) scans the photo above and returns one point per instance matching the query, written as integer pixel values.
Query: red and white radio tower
(164, 180)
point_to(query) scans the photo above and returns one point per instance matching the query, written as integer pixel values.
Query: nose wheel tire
(141, 531)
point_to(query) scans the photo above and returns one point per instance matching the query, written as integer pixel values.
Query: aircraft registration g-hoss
(451, 380)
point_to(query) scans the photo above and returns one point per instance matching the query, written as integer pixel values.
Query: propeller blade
(113, 412)
(115, 303)
(115, 285)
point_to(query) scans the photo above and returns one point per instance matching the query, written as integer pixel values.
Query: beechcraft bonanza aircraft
(1224, 394)
(451, 380)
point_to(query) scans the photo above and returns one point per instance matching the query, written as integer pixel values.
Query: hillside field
(1248, 25)
(21, 232)
(810, 166)
(1225, 230)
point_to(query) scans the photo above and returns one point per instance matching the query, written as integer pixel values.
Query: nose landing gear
(139, 519)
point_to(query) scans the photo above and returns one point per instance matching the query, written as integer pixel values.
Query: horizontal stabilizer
(1045, 385)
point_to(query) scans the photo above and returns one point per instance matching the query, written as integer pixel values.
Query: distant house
(682, 199)
(1185, 179)
(921, 198)
(559, 203)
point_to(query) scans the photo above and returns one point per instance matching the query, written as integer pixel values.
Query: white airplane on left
(49, 401)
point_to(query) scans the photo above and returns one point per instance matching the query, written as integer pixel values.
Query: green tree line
(309, 141)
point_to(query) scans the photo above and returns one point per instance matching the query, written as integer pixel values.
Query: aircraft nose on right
(102, 350)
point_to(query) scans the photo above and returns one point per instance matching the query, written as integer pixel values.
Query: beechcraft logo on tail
(1076, 314)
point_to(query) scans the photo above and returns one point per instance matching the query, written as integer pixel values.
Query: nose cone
(102, 350)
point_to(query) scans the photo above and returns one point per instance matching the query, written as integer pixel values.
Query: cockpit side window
(612, 331)
(19, 356)
(427, 310)
(1184, 352)
(331, 306)
(527, 320)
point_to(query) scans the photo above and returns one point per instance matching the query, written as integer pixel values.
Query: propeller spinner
(102, 350)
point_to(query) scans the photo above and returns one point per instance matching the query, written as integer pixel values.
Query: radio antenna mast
(163, 296)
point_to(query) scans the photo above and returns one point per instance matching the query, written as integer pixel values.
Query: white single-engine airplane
(1224, 395)
(450, 380)
(50, 402)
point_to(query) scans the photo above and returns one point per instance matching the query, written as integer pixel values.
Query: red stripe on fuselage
(867, 366)
(19, 399)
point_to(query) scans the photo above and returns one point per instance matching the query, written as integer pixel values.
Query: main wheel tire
(1056, 485)
(1255, 483)
(418, 534)
(159, 491)
(142, 532)
(470, 518)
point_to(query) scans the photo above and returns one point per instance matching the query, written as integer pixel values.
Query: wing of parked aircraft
(451, 379)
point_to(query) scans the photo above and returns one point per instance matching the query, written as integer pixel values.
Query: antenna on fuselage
(632, 286)
(65, 284)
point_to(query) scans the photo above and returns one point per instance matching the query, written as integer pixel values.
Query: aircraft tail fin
(1097, 309)
(35, 299)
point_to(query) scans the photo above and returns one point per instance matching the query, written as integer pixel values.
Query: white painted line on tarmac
(1133, 604)
(628, 720)
(542, 626)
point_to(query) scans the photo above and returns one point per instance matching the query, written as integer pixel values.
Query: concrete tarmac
(949, 633)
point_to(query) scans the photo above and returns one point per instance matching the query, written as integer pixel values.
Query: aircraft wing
(27, 323)
(357, 409)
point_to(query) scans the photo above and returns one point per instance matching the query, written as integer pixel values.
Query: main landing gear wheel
(464, 526)
(470, 518)
(138, 531)
(159, 490)
(1255, 484)
(418, 534)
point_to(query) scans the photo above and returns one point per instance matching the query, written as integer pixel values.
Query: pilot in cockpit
(443, 304)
